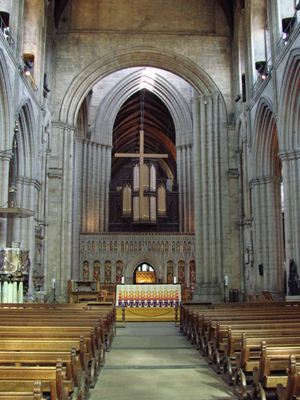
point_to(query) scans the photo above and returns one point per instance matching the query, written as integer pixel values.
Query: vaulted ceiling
(226, 4)
(157, 124)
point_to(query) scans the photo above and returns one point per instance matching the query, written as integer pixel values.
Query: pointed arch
(136, 57)
(289, 108)
(6, 120)
(174, 101)
(26, 140)
(265, 142)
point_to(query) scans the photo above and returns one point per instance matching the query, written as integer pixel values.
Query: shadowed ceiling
(226, 4)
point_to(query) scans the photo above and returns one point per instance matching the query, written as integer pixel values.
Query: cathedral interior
(150, 141)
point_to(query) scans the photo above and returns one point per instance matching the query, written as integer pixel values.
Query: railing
(6, 33)
(286, 36)
(263, 75)
(281, 44)
(28, 72)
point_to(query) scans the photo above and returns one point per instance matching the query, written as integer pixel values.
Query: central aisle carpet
(153, 361)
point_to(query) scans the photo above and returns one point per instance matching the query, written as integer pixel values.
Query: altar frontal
(148, 295)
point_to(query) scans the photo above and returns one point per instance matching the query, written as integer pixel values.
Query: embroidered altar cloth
(148, 295)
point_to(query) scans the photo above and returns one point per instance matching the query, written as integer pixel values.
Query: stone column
(32, 32)
(184, 188)
(4, 179)
(5, 290)
(15, 292)
(268, 235)
(20, 292)
(60, 206)
(102, 187)
(207, 182)
(180, 183)
(291, 189)
(190, 226)
(106, 187)
(10, 292)
(78, 204)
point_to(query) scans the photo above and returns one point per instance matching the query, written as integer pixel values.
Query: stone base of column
(207, 292)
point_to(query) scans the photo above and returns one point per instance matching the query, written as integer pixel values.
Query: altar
(148, 296)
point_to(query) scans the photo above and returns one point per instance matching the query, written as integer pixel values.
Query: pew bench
(271, 372)
(53, 380)
(292, 389)
(35, 394)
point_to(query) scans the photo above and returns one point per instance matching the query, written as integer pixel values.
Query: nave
(153, 361)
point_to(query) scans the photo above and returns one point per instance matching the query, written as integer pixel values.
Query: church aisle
(152, 361)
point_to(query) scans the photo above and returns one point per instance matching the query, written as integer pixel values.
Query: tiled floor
(153, 361)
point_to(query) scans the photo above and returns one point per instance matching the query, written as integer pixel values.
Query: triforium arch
(268, 271)
(289, 139)
(27, 186)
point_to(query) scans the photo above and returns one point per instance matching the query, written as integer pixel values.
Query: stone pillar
(15, 292)
(60, 208)
(184, 189)
(190, 180)
(106, 187)
(5, 290)
(102, 188)
(10, 292)
(4, 176)
(268, 235)
(291, 189)
(78, 204)
(32, 32)
(207, 196)
(180, 183)
(20, 292)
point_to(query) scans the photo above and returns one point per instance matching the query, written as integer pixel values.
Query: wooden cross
(141, 155)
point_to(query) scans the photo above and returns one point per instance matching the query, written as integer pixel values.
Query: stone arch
(265, 141)
(266, 203)
(6, 121)
(174, 101)
(289, 139)
(137, 57)
(139, 259)
(26, 139)
(289, 115)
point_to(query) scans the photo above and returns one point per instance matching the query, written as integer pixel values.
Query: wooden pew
(35, 394)
(53, 381)
(271, 372)
(69, 360)
(55, 346)
(292, 389)
(249, 356)
(37, 334)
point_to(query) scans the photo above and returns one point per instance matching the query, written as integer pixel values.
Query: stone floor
(153, 361)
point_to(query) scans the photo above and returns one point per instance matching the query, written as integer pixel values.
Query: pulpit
(14, 270)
